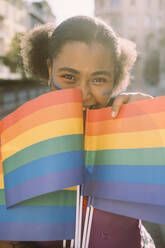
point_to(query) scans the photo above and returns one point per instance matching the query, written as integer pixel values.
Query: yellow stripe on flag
(143, 139)
(40, 133)
(71, 188)
(41, 117)
(1, 176)
(1, 181)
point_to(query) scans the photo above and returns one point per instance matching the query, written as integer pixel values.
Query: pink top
(110, 230)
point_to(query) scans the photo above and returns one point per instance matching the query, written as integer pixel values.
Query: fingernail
(113, 114)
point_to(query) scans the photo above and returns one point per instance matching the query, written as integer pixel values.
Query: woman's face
(88, 67)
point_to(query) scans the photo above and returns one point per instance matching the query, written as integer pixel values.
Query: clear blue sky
(67, 8)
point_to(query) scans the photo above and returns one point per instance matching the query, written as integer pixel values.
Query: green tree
(12, 58)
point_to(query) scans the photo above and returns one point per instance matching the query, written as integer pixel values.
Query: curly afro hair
(46, 41)
(34, 50)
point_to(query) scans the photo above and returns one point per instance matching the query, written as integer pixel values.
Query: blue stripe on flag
(131, 174)
(43, 166)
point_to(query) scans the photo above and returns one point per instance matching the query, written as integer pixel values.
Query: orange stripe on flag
(132, 109)
(43, 116)
(132, 124)
(43, 132)
(43, 101)
(1, 175)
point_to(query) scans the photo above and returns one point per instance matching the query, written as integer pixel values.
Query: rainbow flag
(42, 146)
(148, 212)
(42, 159)
(125, 157)
(44, 218)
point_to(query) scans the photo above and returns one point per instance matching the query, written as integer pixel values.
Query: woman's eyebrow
(106, 73)
(71, 70)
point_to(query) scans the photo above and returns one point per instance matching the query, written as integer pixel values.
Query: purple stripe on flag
(133, 192)
(44, 184)
(36, 231)
(142, 211)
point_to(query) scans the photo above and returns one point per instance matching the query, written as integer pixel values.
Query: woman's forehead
(91, 45)
(94, 54)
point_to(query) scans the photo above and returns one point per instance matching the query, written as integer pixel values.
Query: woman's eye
(99, 80)
(68, 77)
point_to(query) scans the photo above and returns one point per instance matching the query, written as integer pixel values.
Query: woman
(86, 54)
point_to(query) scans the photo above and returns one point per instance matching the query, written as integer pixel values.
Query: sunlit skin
(88, 67)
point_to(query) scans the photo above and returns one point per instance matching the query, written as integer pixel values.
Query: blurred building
(14, 93)
(142, 21)
(12, 19)
(39, 13)
(19, 16)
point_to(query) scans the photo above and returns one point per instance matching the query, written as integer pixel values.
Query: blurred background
(142, 21)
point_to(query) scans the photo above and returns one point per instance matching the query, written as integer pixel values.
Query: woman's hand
(126, 98)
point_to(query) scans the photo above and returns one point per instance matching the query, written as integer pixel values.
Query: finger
(139, 97)
(118, 102)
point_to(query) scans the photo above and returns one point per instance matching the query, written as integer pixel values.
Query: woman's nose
(86, 93)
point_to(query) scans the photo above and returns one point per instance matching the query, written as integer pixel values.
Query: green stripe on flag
(2, 197)
(43, 149)
(58, 198)
(145, 156)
